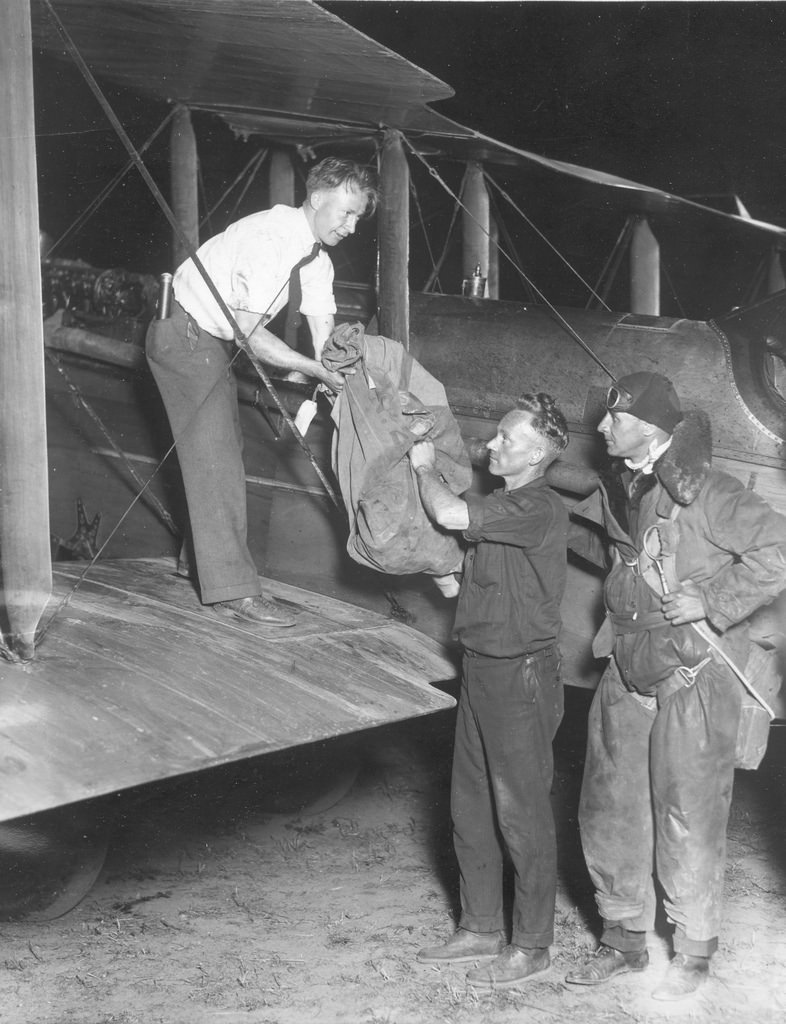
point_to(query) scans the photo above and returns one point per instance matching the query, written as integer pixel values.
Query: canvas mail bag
(388, 404)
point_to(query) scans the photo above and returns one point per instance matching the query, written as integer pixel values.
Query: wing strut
(536, 291)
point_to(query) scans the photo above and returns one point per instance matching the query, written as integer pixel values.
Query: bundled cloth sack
(388, 404)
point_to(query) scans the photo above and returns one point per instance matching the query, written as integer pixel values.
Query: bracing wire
(527, 220)
(247, 184)
(258, 156)
(43, 630)
(756, 282)
(421, 221)
(503, 228)
(670, 282)
(434, 275)
(610, 267)
(109, 188)
(79, 398)
(541, 297)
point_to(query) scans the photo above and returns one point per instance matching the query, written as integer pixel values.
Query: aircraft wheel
(49, 862)
(308, 780)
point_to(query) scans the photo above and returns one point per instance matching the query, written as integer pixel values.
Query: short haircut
(332, 172)
(547, 420)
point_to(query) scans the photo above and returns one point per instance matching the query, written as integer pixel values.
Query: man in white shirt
(189, 354)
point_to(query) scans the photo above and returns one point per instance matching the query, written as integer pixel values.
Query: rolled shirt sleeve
(514, 571)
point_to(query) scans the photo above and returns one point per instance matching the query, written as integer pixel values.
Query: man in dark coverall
(661, 740)
(508, 622)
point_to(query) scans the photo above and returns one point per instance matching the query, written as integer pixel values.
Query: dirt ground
(220, 903)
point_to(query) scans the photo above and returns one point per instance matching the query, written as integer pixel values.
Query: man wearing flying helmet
(663, 726)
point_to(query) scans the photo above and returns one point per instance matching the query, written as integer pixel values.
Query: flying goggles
(618, 398)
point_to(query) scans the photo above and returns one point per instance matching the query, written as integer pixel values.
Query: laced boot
(512, 967)
(684, 975)
(605, 964)
(254, 609)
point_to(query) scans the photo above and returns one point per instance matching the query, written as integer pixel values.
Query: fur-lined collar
(684, 466)
(681, 470)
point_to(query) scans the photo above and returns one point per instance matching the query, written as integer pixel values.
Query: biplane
(114, 676)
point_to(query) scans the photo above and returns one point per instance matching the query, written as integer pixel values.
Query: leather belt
(628, 624)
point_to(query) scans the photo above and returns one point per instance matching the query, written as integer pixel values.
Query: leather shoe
(254, 609)
(464, 947)
(684, 975)
(512, 967)
(606, 964)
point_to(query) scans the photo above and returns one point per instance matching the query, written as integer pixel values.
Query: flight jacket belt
(622, 624)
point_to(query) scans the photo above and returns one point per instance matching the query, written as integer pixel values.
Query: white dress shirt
(250, 263)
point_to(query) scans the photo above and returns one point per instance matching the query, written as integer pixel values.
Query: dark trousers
(656, 794)
(191, 369)
(503, 765)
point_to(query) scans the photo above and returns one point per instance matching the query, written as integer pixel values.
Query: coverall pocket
(528, 682)
(539, 676)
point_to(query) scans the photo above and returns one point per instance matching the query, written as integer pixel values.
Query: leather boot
(512, 967)
(464, 947)
(606, 964)
(254, 609)
(684, 975)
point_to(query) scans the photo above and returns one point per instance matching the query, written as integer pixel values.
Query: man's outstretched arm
(440, 503)
(273, 351)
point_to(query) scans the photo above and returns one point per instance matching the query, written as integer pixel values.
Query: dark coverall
(510, 706)
(661, 744)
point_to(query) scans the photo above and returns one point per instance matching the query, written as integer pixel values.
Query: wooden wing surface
(136, 681)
